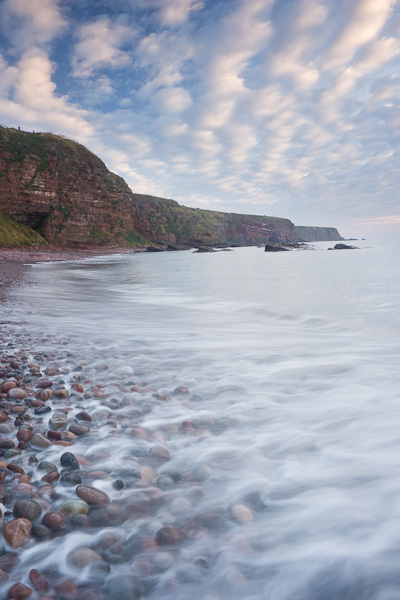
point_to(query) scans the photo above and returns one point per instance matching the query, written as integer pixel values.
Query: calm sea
(273, 381)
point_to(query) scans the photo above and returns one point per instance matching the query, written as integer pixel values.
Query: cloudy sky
(287, 108)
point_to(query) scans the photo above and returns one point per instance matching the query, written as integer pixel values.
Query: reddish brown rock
(39, 582)
(54, 520)
(6, 386)
(67, 590)
(168, 535)
(19, 591)
(24, 435)
(16, 531)
(92, 495)
(77, 388)
(17, 394)
(50, 371)
(6, 444)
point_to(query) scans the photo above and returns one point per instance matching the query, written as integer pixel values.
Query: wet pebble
(19, 591)
(168, 535)
(74, 507)
(17, 394)
(40, 441)
(27, 509)
(79, 428)
(39, 582)
(121, 588)
(15, 532)
(92, 495)
(69, 461)
(54, 520)
(71, 479)
(67, 590)
(81, 557)
(242, 514)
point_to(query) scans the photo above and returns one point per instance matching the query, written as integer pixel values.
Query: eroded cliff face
(317, 234)
(67, 194)
(62, 190)
(165, 221)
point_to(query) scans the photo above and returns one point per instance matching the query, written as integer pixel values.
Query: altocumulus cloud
(268, 106)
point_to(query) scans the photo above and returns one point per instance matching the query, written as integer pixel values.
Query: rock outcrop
(317, 234)
(65, 193)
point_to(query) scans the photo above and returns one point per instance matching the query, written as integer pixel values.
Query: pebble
(19, 591)
(40, 441)
(79, 429)
(54, 520)
(74, 507)
(69, 461)
(92, 495)
(39, 582)
(66, 590)
(81, 557)
(15, 532)
(168, 535)
(24, 435)
(6, 443)
(47, 466)
(242, 514)
(58, 420)
(27, 509)
(17, 394)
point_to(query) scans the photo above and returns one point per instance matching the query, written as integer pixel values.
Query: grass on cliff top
(23, 144)
(15, 235)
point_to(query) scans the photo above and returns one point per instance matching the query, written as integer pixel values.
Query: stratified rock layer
(60, 189)
(317, 234)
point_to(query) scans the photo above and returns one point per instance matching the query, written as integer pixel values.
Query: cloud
(8, 77)
(177, 12)
(163, 56)
(171, 100)
(31, 22)
(99, 46)
(368, 19)
(31, 99)
(390, 220)
(371, 59)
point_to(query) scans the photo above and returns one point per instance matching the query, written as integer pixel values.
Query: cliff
(66, 194)
(165, 221)
(317, 234)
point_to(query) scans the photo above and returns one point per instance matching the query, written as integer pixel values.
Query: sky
(287, 108)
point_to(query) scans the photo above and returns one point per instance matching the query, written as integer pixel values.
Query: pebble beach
(61, 418)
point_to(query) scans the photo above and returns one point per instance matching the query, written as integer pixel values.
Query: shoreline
(15, 262)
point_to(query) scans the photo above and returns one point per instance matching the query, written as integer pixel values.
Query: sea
(272, 380)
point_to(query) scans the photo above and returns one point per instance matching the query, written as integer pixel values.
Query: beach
(184, 425)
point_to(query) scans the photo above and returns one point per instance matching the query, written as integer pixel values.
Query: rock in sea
(92, 495)
(16, 531)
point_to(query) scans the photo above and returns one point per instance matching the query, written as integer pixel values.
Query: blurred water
(291, 364)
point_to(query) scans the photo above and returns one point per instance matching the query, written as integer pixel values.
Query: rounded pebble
(69, 461)
(92, 495)
(27, 509)
(16, 531)
(81, 557)
(19, 591)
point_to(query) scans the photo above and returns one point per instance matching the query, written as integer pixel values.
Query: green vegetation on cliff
(15, 235)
